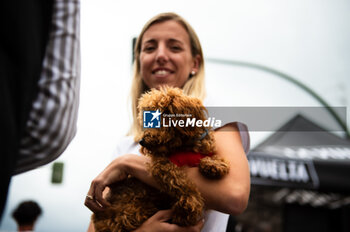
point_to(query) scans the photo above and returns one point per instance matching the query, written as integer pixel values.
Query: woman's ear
(196, 63)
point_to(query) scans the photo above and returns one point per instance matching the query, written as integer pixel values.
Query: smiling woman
(169, 48)
(168, 53)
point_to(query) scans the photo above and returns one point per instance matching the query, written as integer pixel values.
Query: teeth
(161, 72)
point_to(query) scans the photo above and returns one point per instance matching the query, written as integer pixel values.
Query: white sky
(308, 40)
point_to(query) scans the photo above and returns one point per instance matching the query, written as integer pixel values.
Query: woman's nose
(162, 54)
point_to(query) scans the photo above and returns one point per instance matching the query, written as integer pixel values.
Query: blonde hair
(194, 86)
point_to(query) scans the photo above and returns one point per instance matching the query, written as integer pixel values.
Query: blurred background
(308, 40)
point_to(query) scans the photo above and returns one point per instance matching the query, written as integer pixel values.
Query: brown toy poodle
(179, 141)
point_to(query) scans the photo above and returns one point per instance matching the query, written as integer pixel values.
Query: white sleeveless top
(214, 221)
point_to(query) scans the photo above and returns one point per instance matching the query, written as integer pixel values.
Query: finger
(199, 225)
(163, 215)
(195, 228)
(93, 205)
(90, 199)
(98, 195)
(91, 191)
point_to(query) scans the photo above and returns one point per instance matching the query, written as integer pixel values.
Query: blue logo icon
(151, 119)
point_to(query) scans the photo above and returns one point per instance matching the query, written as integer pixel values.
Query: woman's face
(165, 57)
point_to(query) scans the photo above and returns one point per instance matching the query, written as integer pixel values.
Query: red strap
(188, 158)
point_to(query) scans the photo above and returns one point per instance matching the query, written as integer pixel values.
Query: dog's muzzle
(143, 143)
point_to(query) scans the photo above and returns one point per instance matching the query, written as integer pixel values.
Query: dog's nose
(142, 142)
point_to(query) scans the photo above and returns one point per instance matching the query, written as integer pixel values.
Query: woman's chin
(162, 85)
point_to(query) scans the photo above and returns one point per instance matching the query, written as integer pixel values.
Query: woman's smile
(162, 72)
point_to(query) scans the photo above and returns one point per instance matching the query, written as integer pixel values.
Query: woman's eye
(148, 49)
(176, 48)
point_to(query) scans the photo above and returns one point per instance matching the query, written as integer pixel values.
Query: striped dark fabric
(52, 120)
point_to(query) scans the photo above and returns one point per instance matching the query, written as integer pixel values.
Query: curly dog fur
(133, 202)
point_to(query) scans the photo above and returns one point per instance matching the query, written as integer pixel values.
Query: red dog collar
(187, 158)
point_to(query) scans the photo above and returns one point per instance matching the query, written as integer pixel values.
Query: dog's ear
(148, 101)
(167, 96)
(192, 109)
(158, 99)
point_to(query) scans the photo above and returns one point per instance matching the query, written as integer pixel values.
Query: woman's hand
(114, 172)
(158, 222)
(117, 170)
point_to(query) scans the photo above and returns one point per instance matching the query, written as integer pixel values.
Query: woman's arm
(233, 190)
(229, 195)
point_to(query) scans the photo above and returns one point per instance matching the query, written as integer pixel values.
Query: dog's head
(179, 130)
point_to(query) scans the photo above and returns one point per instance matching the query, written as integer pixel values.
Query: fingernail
(99, 204)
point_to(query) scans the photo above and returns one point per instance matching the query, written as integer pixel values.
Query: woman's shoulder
(243, 132)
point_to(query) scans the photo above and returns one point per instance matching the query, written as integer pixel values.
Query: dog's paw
(213, 167)
(188, 211)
